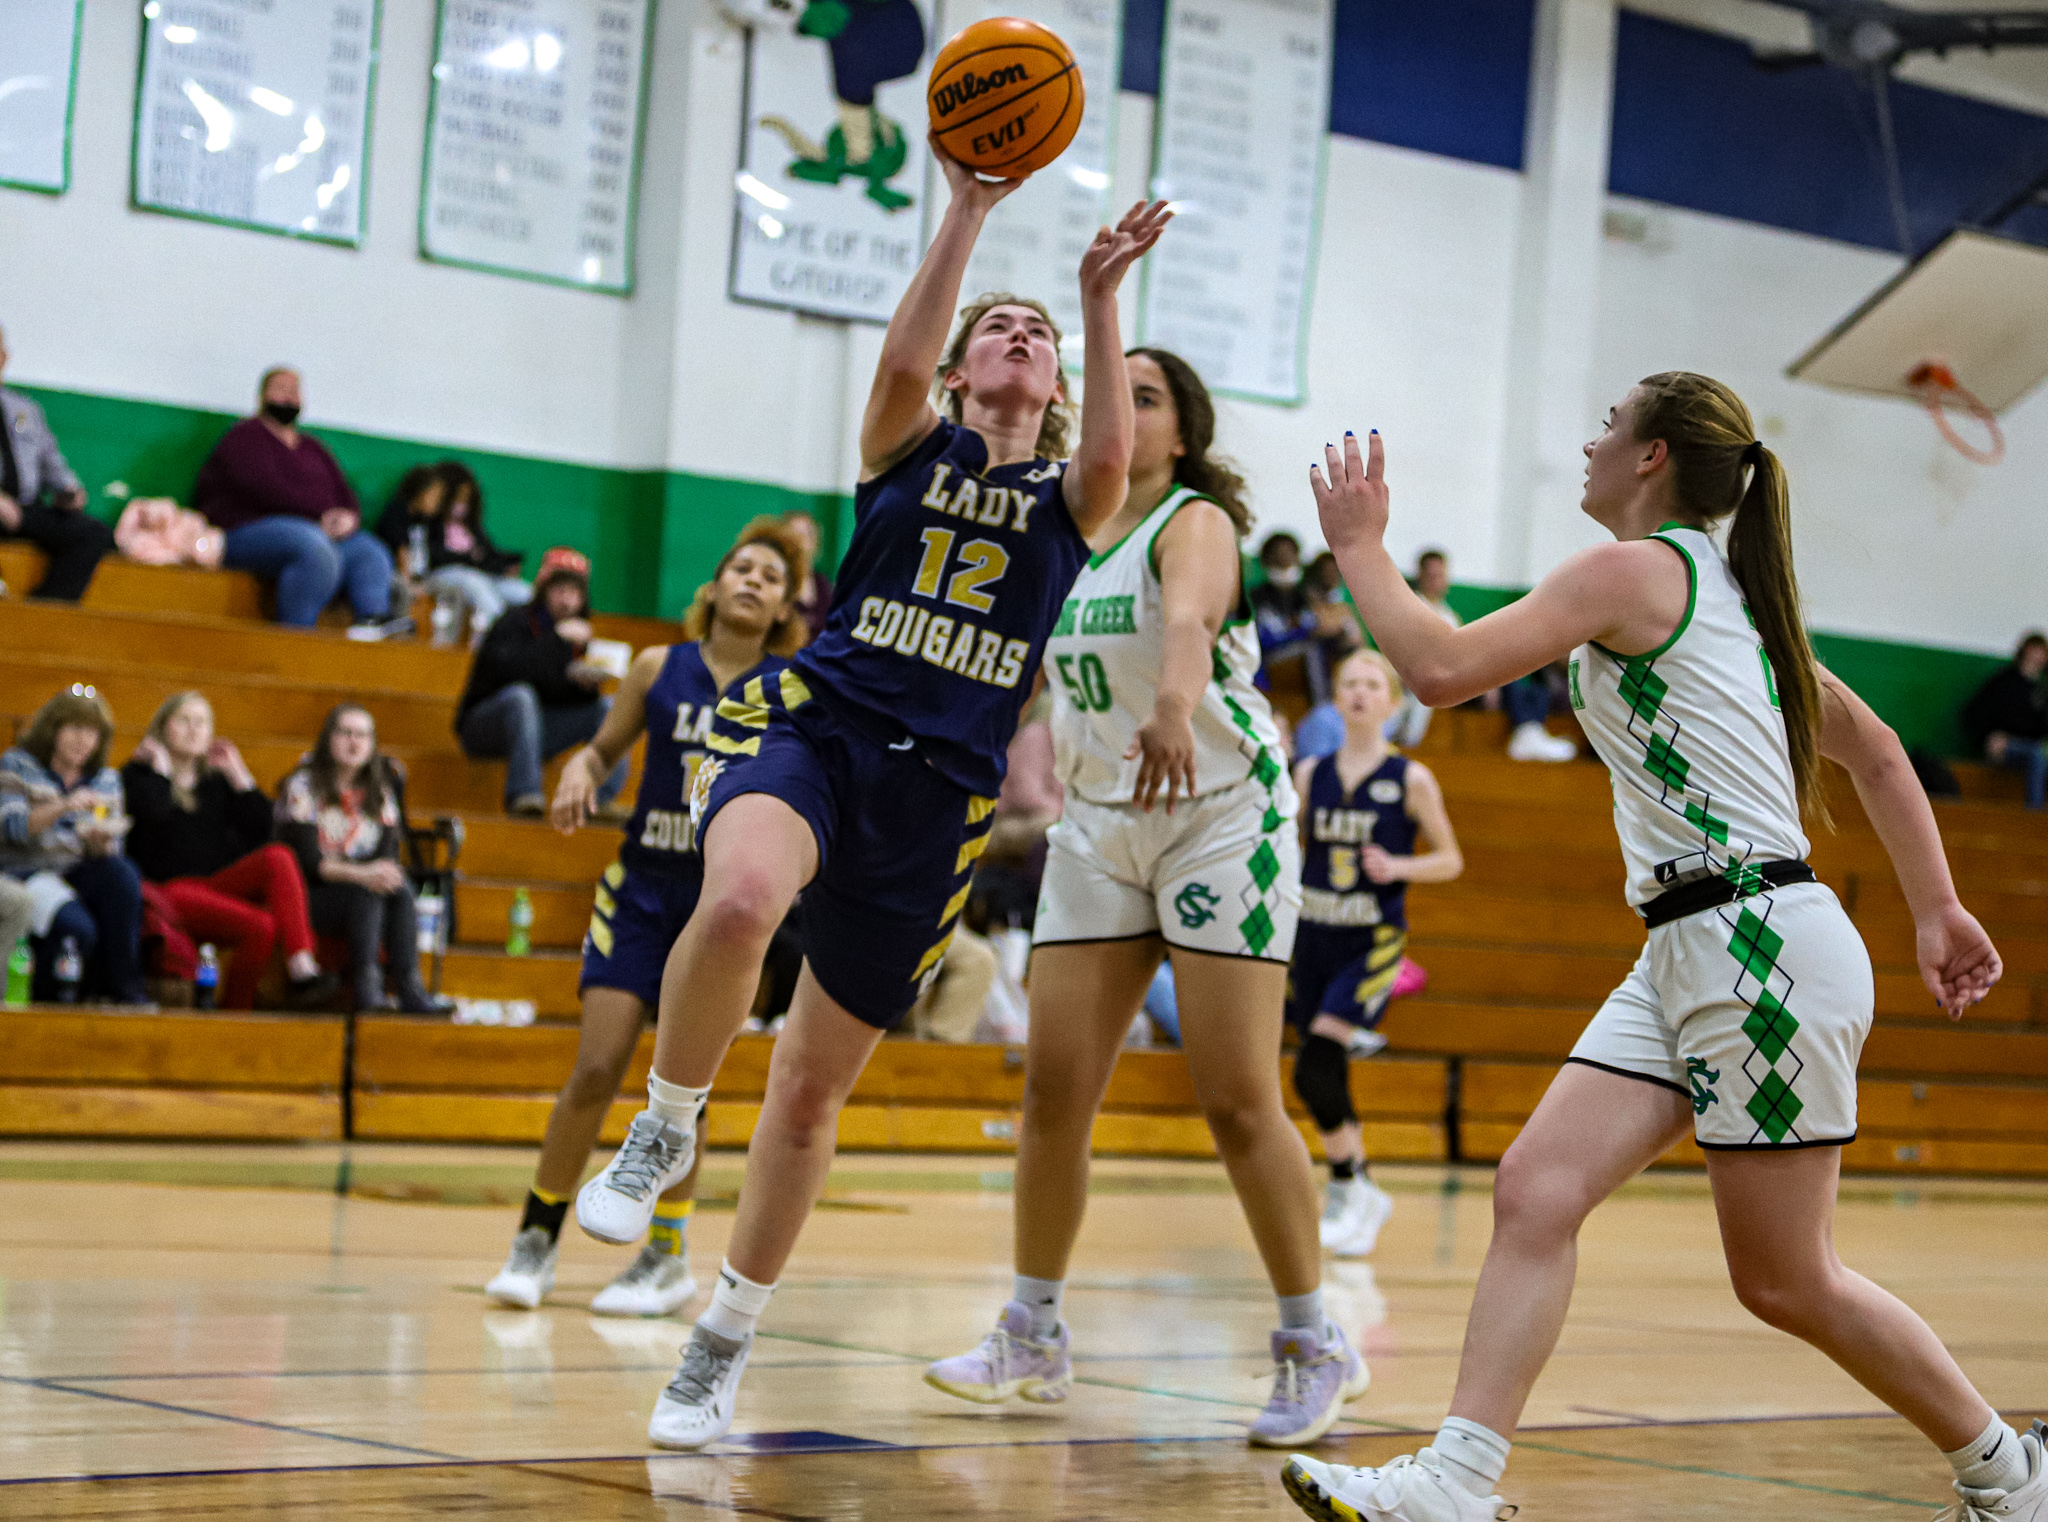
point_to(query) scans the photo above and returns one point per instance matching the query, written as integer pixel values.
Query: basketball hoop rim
(1935, 384)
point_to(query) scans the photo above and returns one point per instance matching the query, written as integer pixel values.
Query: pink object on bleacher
(1411, 979)
(156, 531)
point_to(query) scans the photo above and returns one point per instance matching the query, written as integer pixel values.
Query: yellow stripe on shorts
(956, 903)
(969, 852)
(979, 809)
(931, 958)
(601, 936)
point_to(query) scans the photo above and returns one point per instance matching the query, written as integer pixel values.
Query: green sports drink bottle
(520, 941)
(21, 968)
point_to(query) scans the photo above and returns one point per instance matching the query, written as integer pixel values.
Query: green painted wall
(652, 536)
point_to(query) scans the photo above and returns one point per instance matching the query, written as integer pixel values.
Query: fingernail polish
(1349, 434)
(1375, 433)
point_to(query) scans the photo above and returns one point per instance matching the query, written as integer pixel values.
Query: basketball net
(1940, 393)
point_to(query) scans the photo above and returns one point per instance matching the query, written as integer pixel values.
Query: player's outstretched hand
(1165, 752)
(967, 187)
(1117, 248)
(1353, 503)
(575, 797)
(1958, 963)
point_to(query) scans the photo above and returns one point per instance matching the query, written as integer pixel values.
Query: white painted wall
(1414, 332)
(1896, 535)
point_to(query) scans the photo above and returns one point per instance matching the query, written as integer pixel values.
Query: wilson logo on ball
(951, 97)
(1005, 97)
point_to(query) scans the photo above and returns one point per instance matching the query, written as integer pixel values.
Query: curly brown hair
(75, 705)
(788, 633)
(1055, 430)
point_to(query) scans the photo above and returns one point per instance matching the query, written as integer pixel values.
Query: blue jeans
(2031, 757)
(1527, 700)
(310, 567)
(512, 724)
(105, 923)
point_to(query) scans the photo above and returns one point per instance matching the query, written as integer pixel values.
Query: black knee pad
(1322, 1079)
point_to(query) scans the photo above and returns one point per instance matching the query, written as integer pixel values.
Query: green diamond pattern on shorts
(1774, 1107)
(1264, 865)
(1762, 984)
(1771, 1027)
(1265, 768)
(1257, 929)
(1273, 820)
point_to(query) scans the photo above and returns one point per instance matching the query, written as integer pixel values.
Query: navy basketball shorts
(634, 920)
(1346, 972)
(897, 843)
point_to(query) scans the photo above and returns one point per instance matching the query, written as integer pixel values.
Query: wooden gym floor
(215, 1332)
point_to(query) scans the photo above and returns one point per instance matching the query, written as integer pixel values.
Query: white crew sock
(1302, 1312)
(1473, 1456)
(1042, 1298)
(675, 1103)
(736, 1304)
(1994, 1461)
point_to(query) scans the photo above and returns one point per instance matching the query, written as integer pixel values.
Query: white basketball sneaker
(2027, 1504)
(657, 1283)
(617, 1205)
(1411, 1489)
(529, 1271)
(697, 1406)
(1352, 1219)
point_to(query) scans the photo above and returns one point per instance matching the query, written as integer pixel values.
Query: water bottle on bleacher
(70, 971)
(206, 979)
(21, 966)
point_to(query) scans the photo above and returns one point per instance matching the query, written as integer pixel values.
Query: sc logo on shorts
(1196, 905)
(706, 773)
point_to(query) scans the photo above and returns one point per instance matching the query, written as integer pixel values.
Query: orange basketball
(1005, 97)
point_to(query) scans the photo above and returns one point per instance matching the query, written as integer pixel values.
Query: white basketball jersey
(1693, 735)
(1103, 664)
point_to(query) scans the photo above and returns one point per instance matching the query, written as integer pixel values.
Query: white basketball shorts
(1755, 1011)
(1220, 874)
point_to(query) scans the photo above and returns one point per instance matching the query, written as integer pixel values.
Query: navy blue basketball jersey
(1334, 888)
(955, 577)
(680, 704)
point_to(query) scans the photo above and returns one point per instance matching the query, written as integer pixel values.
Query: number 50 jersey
(954, 578)
(1104, 663)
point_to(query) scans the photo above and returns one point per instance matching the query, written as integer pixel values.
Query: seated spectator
(61, 824)
(343, 813)
(2006, 720)
(201, 831)
(1286, 620)
(1338, 630)
(41, 500)
(531, 695)
(816, 599)
(434, 525)
(289, 513)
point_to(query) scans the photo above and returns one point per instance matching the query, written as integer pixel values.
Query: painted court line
(865, 1447)
(217, 1416)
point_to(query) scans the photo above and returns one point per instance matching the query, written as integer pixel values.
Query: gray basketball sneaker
(1411, 1489)
(697, 1406)
(1312, 1378)
(617, 1205)
(529, 1271)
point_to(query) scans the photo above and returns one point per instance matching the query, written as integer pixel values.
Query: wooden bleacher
(1520, 950)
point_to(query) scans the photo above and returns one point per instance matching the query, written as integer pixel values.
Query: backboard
(1975, 304)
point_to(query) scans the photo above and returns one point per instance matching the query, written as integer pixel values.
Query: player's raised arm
(900, 410)
(1099, 476)
(1624, 595)
(576, 793)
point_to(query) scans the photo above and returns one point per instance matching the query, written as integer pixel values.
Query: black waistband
(1713, 892)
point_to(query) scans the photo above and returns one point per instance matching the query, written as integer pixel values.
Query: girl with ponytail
(1743, 1020)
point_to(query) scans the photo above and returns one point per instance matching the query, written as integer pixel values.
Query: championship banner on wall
(830, 202)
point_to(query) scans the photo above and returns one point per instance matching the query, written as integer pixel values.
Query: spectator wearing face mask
(1286, 617)
(531, 694)
(289, 513)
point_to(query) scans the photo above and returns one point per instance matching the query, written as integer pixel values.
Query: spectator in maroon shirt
(289, 513)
